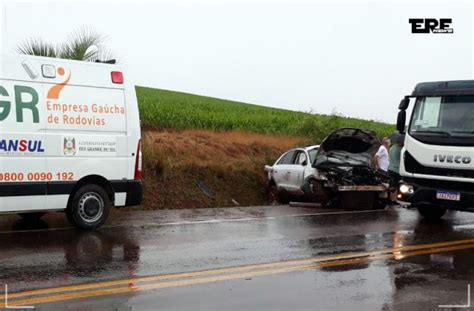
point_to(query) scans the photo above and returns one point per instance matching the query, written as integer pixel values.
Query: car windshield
(312, 154)
(447, 116)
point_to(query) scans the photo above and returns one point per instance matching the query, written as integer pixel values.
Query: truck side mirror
(401, 119)
(404, 103)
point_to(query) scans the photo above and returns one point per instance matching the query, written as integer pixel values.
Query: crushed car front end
(347, 175)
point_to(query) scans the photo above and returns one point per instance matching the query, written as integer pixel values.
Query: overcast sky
(358, 57)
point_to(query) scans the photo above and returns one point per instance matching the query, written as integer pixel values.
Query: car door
(282, 170)
(297, 170)
(22, 143)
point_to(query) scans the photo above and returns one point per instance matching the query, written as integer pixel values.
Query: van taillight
(117, 77)
(138, 162)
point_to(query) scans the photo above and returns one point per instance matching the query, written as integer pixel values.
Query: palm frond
(83, 45)
(37, 47)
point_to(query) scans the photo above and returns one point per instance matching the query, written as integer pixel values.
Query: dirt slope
(228, 165)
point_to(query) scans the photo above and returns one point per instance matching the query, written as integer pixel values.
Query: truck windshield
(443, 116)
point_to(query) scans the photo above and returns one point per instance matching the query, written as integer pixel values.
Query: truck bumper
(422, 192)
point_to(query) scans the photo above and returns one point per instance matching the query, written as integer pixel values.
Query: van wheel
(431, 212)
(89, 208)
(32, 217)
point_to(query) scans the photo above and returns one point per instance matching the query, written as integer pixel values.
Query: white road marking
(209, 221)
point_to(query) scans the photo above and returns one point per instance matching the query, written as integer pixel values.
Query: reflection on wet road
(240, 258)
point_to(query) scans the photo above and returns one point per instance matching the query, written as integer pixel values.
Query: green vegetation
(85, 44)
(168, 109)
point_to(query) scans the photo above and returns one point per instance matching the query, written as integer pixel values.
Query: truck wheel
(89, 208)
(32, 217)
(431, 212)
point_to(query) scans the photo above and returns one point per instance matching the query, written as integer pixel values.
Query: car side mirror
(404, 103)
(304, 163)
(401, 119)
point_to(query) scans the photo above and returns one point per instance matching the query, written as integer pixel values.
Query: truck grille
(413, 166)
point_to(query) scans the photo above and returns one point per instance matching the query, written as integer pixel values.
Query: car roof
(306, 148)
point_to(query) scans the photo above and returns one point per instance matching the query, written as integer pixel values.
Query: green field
(168, 109)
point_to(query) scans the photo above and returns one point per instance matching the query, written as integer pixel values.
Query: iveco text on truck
(436, 163)
(69, 139)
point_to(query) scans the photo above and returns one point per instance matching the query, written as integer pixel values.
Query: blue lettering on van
(21, 145)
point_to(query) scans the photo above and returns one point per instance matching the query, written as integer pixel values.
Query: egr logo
(431, 25)
(53, 93)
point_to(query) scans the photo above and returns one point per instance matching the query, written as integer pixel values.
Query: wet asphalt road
(322, 259)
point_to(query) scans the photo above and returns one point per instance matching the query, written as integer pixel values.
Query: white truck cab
(69, 139)
(436, 161)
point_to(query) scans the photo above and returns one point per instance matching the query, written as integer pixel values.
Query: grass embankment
(224, 144)
(230, 164)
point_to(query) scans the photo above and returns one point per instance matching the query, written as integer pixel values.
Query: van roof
(60, 60)
(439, 88)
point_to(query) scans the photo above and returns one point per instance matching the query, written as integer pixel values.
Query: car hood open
(347, 147)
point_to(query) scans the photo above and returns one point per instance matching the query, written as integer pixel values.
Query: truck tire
(89, 207)
(431, 212)
(32, 217)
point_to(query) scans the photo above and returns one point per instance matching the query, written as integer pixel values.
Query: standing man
(381, 157)
(394, 156)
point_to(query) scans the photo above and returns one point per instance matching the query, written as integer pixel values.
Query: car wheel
(318, 194)
(32, 217)
(273, 195)
(431, 212)
(89, 208)
(380, 203)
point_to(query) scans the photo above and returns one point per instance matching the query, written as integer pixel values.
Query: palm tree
(84, 44)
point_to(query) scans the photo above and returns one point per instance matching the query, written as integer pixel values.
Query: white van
(69, 139)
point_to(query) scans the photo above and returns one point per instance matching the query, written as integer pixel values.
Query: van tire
(32, 217)
(431, 212)
(89, 207)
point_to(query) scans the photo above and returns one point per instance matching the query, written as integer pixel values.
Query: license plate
(447, 195)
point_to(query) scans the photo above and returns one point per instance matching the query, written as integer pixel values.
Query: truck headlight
(406, 189)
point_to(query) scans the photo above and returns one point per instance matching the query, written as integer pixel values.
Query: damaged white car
(338, 173)
(346, 175)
